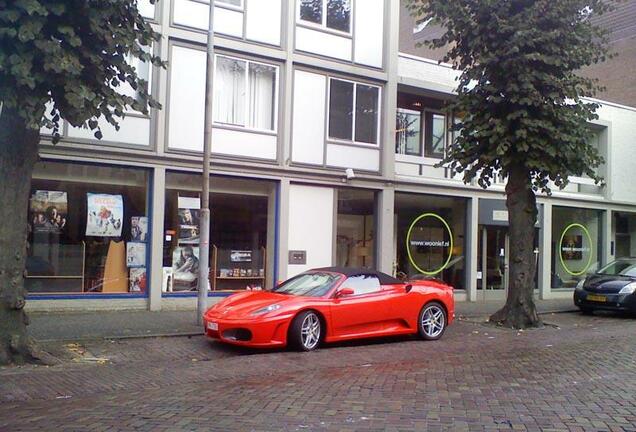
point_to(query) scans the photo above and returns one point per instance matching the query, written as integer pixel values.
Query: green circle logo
(409, 242)
(589, 259)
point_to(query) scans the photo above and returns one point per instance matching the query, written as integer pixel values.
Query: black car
(611, 288)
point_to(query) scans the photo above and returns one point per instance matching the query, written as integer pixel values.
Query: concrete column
(545, 253)
(156, 237)
(606, 237)
(283, 228)
(472, 248)
(386, 219)
(389, 99)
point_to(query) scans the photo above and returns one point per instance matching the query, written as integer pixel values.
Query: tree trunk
(520, 310)
(18, 154)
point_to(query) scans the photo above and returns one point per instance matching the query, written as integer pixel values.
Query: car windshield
(308, 284)
(620, 268)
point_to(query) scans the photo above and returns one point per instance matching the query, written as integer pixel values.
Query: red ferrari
(332, 304)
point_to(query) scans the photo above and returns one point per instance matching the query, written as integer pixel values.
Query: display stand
(214, 272)
(81, 277)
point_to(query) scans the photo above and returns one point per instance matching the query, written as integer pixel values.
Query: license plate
(213, 326)
(596, 298)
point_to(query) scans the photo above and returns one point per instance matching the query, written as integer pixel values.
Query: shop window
(330, 14)
(576, 240)
(430, 240)
(245, 93)
(408, 132)
(241, 220)
(355, 238)
(624, 229)
(353, 111)
(88, 230)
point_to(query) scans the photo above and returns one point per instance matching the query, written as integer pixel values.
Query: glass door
(492, 264)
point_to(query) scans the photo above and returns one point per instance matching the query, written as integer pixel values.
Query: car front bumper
(257, 332)
(617, 302)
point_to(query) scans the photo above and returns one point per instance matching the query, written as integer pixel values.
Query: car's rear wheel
(432, 321)
(305, 332)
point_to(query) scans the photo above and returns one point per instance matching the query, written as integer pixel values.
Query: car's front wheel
(305, 331)
(432, 321)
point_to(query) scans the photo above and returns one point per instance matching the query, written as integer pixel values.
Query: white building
(324, 148)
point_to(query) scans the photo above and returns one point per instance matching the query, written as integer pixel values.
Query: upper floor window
(353, 111)
(435, 135)
(420, 133)
(245, 93)
(331, 14)
(238, 4)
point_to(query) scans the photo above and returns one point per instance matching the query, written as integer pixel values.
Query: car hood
(244, 304)
(608, 284)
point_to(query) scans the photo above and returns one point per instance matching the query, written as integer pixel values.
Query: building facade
(325, 143)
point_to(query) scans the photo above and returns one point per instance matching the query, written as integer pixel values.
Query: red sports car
(332, 304)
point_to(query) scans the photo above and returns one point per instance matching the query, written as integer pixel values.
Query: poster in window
(48, 211)
(185, 267)
(572, 247)
(137, 280)
(135, 254)
(189, 220)
(139, 228)
(241, 256)
(105, 214)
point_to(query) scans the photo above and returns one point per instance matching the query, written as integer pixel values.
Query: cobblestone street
(577, 374)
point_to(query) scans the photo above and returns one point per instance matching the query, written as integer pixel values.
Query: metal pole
(204, 228)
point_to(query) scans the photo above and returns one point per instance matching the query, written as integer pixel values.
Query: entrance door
(492, 264)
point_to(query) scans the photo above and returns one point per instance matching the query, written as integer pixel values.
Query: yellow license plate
(596, 298)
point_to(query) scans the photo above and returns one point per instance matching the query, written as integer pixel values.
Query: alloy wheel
(310, 331)
(433, 321)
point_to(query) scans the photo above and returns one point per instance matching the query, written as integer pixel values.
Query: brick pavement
(579, 376)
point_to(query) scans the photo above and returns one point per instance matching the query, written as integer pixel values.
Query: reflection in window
(245, 93)
(435, 135)
(237, 3)
(338, 15)
(407, 133)
(311, 11)
(142, 68)
(366, 114)
(355, 238)
(362, 284)
(341, 109)
(343, 96)
(332, 14)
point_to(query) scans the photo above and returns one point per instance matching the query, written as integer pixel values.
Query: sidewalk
(126, 324)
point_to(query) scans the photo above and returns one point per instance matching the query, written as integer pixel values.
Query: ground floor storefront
(116, 236)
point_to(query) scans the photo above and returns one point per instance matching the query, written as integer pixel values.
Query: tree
(59, 59)
(522, 109)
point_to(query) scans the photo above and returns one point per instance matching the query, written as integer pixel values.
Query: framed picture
(138, 228)
(137, 280)
(241, 256)
(105, 214)
(135, 254)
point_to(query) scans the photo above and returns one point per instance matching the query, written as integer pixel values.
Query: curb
(122, 337)
(548, 312)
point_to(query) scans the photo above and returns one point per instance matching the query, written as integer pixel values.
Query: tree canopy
(520, 100)
(73, 57)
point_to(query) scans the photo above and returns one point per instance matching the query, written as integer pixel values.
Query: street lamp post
(204, 227)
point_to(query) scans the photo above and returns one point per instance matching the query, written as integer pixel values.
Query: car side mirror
(344, 292)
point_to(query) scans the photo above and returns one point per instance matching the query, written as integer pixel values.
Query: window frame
(421, 129)
(150, 50)
(274, 130)
(323, 22)
(353, 141)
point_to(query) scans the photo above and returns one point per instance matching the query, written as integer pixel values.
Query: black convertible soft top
(384, 278)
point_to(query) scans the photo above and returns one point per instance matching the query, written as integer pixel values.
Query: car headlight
(628, 289)
(266, 309)
(579, 286)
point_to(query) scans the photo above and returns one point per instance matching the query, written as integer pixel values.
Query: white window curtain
(229, 92)
(262, 96)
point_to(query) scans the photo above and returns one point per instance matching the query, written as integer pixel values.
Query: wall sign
(571, 248)
(421, 238)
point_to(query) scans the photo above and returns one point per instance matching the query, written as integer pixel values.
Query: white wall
(132, 130)
(622, 151)
(308, 137)
(369, 32)
(442, 76)
(311, 226)
(263, 21)
(362, 158)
